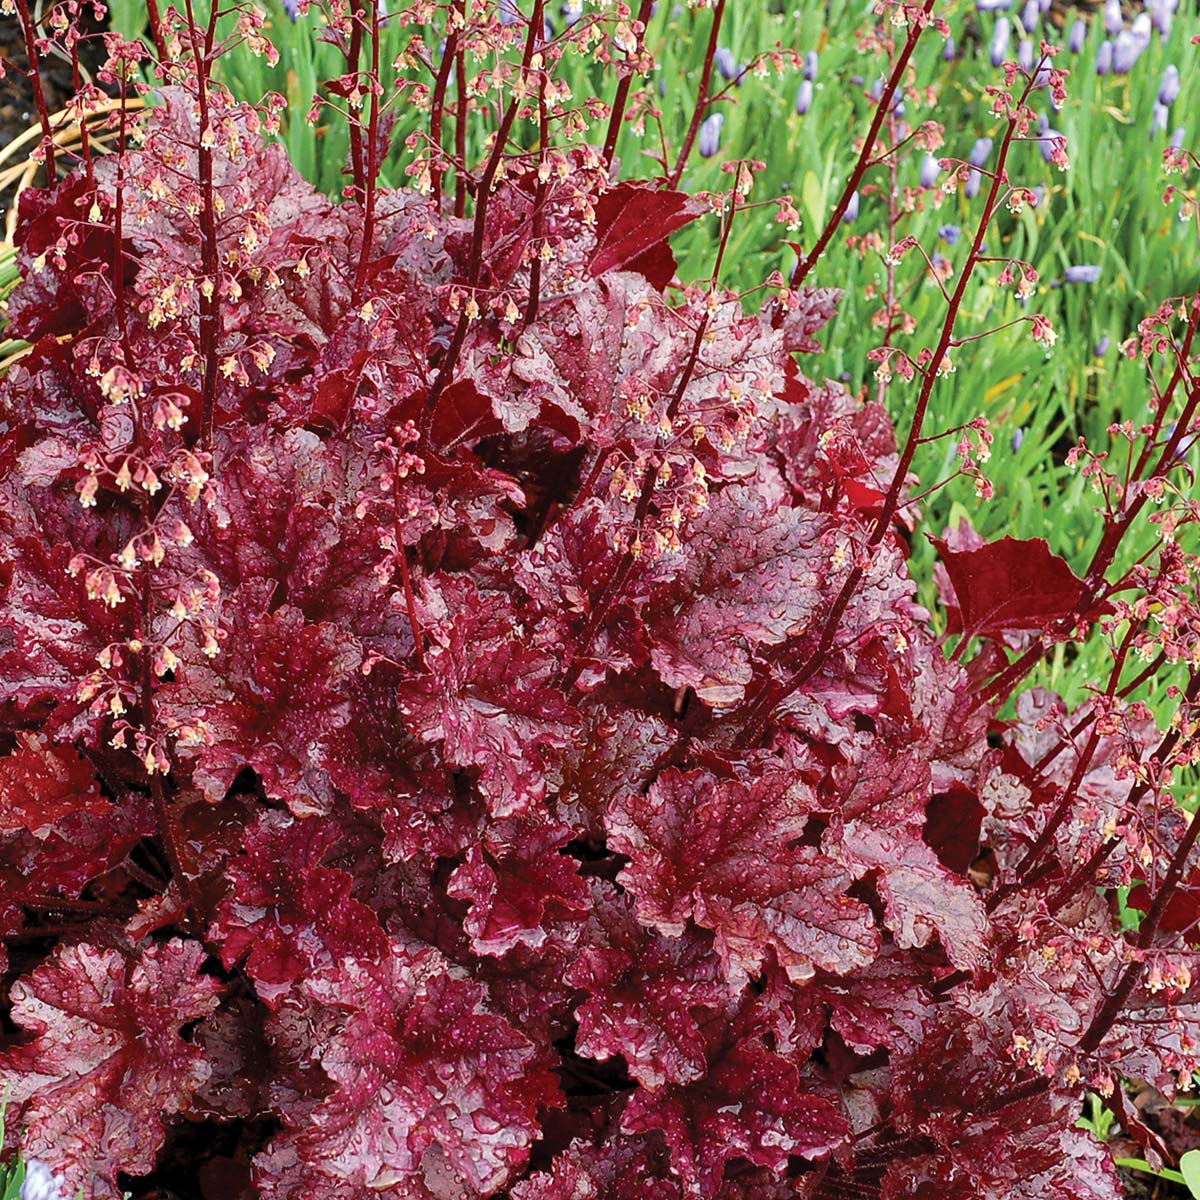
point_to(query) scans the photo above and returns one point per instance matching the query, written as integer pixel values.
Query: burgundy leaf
(633, 222)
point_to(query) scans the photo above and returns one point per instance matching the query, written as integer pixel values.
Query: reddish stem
(621, 99)
(864, 159)
(702, 98)
(34, 76)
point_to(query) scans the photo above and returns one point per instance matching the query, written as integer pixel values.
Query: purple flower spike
(710, 134)
(1029, 16)
(993, 5)
(1017, 438)
(292, 8)
(804, 97)
(948, 50)
(1158, 122)
(1126, 52)
(1168, 91)
(980, 152)
(1162, 14)
(572, 11)
(851, 213)
(1104, 58)
(41, 1183)
(1142, 29)
(1114, 22)
(930, 169)
(726, 63)
(1000, 36)
(1025, 54)
(974, 180)
(1178, 138)
(1102, 346)
(875, 91)
(1085, 273)
(950, 234)
(1077, 37)
(810, 66)
(1039, 194)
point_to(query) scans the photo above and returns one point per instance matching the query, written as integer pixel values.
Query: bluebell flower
(292, 8)
(1029, 16)
(1039, 194)
(1126, 51)
(974, 181)
(710, 134)
(851, 213)
(1114, 22)
(1162, 13)
(804, 96)
(1168, 90)
(930, 169)
(1084, 273)
(993, 5)
(571, 11)
(980, 152)
(1000, 36)
(1102, 346)
(1178, 138)
(726, 63)
(1104, 58)
(1025, 54)
(875, 91)
(1017, 438)
(1142, 28)
(1077, 38)
(948, 50)
(810, 66)
(1159, 119)
(41, 1183)
(950, 234)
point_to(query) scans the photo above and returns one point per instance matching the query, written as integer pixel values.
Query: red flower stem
(702, 98)
(882, 110)
(482, 200)
(34, 76)
(770, 696)
(372, 168)
(353, 52)
(462, 110)
(437, 111)
(621, 98)
(539, 206)
(210, 333)
(405, 576)
(156, 33)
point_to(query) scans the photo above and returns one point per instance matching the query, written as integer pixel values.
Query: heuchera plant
(467, 724)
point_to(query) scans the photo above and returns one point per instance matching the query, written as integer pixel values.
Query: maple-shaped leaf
(271, 701)
(419, 1066)
(40, 784)
(757, 576)
(513, 881)
(723, 855)
(1009, 585)
(646, 996)
(750, 1104)
(485, 699)
(107, 1062)
(633, 223)
(287, 913)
